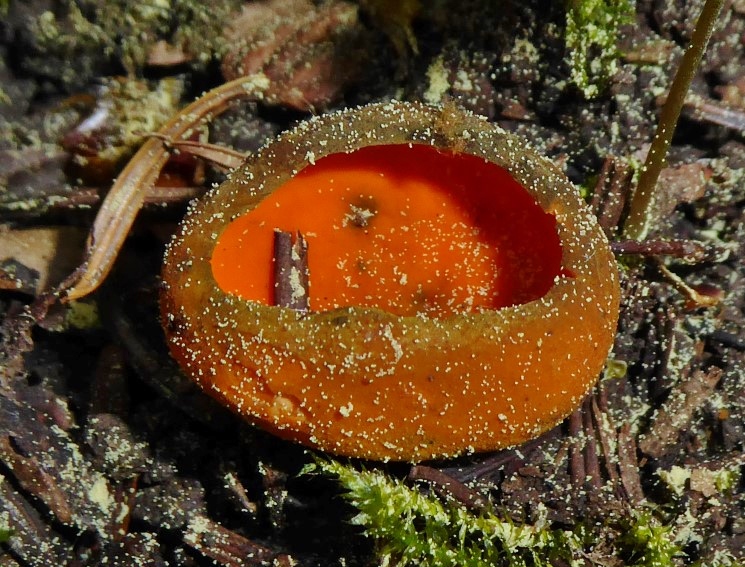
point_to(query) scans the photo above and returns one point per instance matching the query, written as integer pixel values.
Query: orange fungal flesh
(462, 295)
(406, 228)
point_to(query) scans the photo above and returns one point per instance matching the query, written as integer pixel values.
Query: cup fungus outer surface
(364, 382)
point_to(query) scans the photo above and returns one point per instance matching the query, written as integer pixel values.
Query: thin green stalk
(643, 202)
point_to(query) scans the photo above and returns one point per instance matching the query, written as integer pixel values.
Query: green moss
(127, 29)
(615, 369)
(4, 535)
(591, 39)
(411, 528)
(647, 543)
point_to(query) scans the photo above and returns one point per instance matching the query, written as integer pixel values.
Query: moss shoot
(591, 39)
(410, 527)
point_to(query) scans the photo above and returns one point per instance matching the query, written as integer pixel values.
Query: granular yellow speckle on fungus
(363, 380)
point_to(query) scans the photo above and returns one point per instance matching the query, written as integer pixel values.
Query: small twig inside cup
(291, 284)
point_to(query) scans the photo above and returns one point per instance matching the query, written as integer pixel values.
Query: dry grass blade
(126, 197)
(638, 222)
(219, 156)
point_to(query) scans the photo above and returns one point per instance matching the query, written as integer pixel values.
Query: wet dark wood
(291, 275)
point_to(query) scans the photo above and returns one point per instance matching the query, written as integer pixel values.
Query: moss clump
(647, 543)
(4, 535)
(411, 528)
(591, 39)
(127, 29)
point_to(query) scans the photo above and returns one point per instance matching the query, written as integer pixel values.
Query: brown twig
(643, 200)
(695, 299)
(220, 156)
(604, 437)
(611, 190)
(677, 412)
(592, 462)
(628, 467)
(714, 112)
(228, 548)
(446, 485)
(85, 197)
(687, 250)
(576, 460)
(32, 541)
(291, 287)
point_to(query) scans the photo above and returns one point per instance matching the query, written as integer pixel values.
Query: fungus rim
(584, 251)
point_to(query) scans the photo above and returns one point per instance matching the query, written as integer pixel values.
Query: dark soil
(108, 455)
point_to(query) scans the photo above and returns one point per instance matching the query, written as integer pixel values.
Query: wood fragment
(32, 541)
(228, 548)
(695, 299)
(291, 277)
(603, 434)
(576, 460)
(590, 453)
(610, 193)
(727, 339)
(31, 476)
(220, 156)
(446, 485)
(704, 109)
(16, 329)
(500, 463)
(677, 412)
(628, 466)
(687, 250)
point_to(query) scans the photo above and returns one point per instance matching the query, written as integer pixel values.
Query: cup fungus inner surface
(511, 283)
(407, 228)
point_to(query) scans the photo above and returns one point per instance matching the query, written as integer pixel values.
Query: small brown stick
(687, 250)
(714, 112)
(576, 461)
(638, 222)
(85, 198)
(501, 461)
(677, 412)
(291, 276)
(228, 548)
(628, 466)
(604, 434)
(695, 299)
(592, 462)
(220, 156)
(446, 485)
(727, 339)
(610, 193)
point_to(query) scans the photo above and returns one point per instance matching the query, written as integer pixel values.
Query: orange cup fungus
(460, 296)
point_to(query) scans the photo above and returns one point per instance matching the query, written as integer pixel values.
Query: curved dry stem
(643, 201)
(119, 209)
